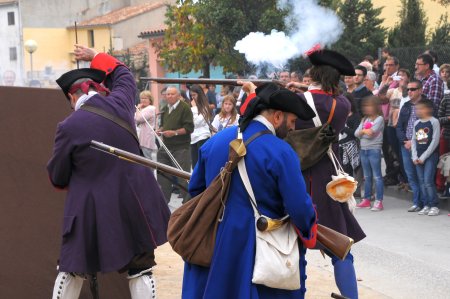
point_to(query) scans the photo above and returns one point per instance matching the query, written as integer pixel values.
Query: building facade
(11, 58)
(106, 25)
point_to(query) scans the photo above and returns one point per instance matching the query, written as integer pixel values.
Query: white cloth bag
(277, 257)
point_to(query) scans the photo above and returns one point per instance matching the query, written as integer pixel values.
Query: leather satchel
(192, 227)
(312, 144)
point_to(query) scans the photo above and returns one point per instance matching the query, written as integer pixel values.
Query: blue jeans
(413, 181)
(426, 175)
(371, 164)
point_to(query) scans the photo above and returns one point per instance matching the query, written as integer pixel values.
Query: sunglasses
(413, 89)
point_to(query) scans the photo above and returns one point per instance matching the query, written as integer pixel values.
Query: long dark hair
(201, 102)
(326, 76)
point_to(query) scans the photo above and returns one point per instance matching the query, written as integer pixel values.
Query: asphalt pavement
(404, 255)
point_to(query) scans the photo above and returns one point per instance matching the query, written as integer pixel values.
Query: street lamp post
(31, 47)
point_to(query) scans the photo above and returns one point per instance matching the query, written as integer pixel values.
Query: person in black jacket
(361, 91)
(348, 144)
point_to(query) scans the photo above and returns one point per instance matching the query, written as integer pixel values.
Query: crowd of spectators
(398, 118)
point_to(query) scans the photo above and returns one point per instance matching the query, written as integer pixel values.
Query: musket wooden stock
(333, 241)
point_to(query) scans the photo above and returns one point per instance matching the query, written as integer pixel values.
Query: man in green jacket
(177, 124)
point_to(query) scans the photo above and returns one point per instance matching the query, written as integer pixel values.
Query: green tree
(363, 33)
(441, 34)
(204, 33)
(333, 4)
(410, 31)
(184, 46)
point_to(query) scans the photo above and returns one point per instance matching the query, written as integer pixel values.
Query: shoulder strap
(248, 186)
(115, 119)
(256, 135)
(316, 119)
(243, 170)
(310, 101)
(333, 108)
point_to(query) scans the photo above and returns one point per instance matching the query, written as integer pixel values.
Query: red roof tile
(153, 31)
(122, 14)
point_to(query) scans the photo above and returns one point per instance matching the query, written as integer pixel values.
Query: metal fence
(408, 56)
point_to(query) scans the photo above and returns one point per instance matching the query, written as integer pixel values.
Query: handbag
(277, 256)
(192, 227)
(312, 144)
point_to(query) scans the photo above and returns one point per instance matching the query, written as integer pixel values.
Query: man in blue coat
(274, 172)
(115, 214)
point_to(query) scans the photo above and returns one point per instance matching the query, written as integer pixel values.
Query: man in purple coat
(115, 214)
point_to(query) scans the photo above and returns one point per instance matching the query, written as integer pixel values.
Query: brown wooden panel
(30, 209)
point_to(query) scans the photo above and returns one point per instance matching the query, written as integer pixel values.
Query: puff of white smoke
(259, 47)
(313, 24)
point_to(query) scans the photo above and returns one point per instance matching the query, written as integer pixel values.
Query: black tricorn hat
(280, 98)
(273, 96)
(66, 80)
(333, 59)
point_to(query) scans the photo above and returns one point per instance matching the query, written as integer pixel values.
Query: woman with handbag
(332, 108)
(271, 169)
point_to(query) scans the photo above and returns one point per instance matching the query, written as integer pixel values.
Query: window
(91, 42)
(11, 18)
(13, 54)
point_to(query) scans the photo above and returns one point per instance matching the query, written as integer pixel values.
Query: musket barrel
(233, 82)
(140, 160)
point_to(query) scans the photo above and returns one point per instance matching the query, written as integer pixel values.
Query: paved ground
(404, 256)
(320, 283)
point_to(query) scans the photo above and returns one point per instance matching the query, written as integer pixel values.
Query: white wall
(11, 37)
(129, 30)
(63, 13)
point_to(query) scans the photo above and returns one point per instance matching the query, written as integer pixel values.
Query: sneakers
(434, 211)
(377, 206)
(424, 211)
(414, 208)
(365, 203)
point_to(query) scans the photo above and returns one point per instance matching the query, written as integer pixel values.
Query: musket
(130, 157)
(333, 241)
(232, 82)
